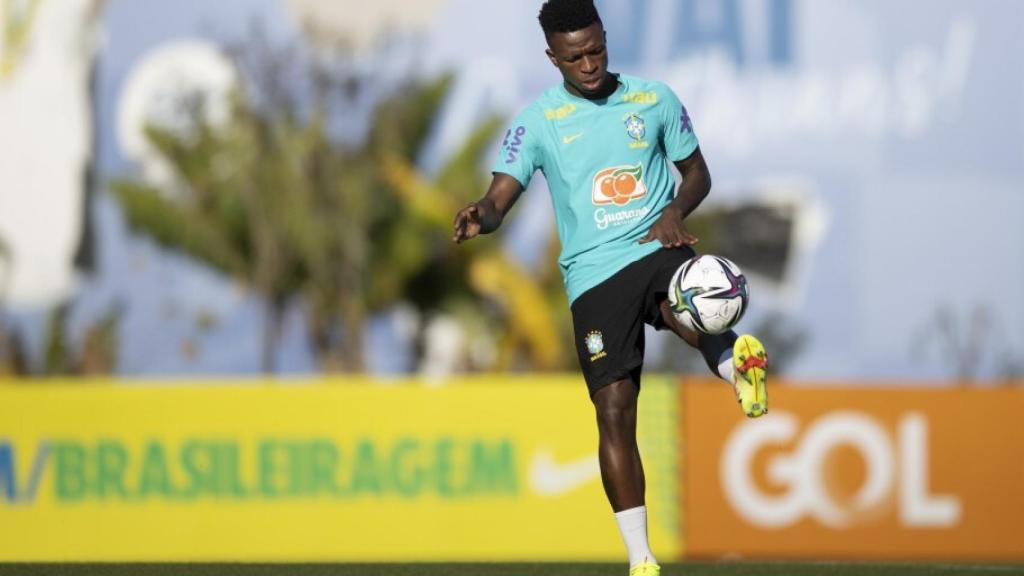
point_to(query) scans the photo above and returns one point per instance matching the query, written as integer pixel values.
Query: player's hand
(467, 223)
(670, 231)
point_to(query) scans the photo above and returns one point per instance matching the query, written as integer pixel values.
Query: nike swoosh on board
(550, 478)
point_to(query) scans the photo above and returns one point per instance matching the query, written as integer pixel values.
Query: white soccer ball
(708, 294)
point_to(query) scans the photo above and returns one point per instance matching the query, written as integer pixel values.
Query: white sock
(725, 367)
(633, 527)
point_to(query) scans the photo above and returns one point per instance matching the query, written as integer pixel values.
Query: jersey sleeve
(677, 137)
(521, 150)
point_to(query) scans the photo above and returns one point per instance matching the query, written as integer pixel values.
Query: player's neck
(608, 87)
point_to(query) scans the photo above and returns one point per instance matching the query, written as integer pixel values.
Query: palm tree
(270, 199)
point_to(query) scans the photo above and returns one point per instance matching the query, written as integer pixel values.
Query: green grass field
(683, 569)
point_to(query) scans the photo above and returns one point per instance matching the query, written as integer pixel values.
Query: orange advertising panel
(855, 472)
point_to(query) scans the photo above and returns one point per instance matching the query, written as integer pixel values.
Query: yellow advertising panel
(855, 472)
(486, 469)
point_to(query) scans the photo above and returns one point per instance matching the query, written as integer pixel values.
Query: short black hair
(567, 15)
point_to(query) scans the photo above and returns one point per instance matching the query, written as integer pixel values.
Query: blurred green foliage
(272, 199)
(95, 355)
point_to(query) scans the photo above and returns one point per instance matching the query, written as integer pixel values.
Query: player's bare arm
(485, 215)
(670, 228)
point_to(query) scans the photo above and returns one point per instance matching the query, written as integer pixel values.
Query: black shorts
(608, 320)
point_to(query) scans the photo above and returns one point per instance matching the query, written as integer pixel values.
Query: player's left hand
(670, 231)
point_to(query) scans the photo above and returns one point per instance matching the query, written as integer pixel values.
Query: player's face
(582, 58)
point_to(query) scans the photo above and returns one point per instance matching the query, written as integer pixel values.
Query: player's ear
(551, 57)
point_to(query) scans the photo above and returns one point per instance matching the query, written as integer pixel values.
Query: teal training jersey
(606, 164)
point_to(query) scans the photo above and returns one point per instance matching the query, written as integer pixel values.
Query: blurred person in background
(604, 142)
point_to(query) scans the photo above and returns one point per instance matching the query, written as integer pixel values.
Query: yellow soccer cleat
(750, 374)
(645, 568)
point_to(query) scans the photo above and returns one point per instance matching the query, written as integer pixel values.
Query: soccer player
(604, 142)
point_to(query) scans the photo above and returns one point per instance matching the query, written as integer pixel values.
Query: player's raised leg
(739, 360)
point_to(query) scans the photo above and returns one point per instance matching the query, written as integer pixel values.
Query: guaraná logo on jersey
(618, 185)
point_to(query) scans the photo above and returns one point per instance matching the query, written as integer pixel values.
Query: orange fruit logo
(618, 185)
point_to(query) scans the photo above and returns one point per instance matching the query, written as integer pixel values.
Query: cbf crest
(636, 128)
(595, 345)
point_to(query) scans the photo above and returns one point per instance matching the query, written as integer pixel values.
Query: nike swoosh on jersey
(569, 139)
(550, 478)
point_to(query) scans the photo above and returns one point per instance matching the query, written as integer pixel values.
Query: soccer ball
(708, 294)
